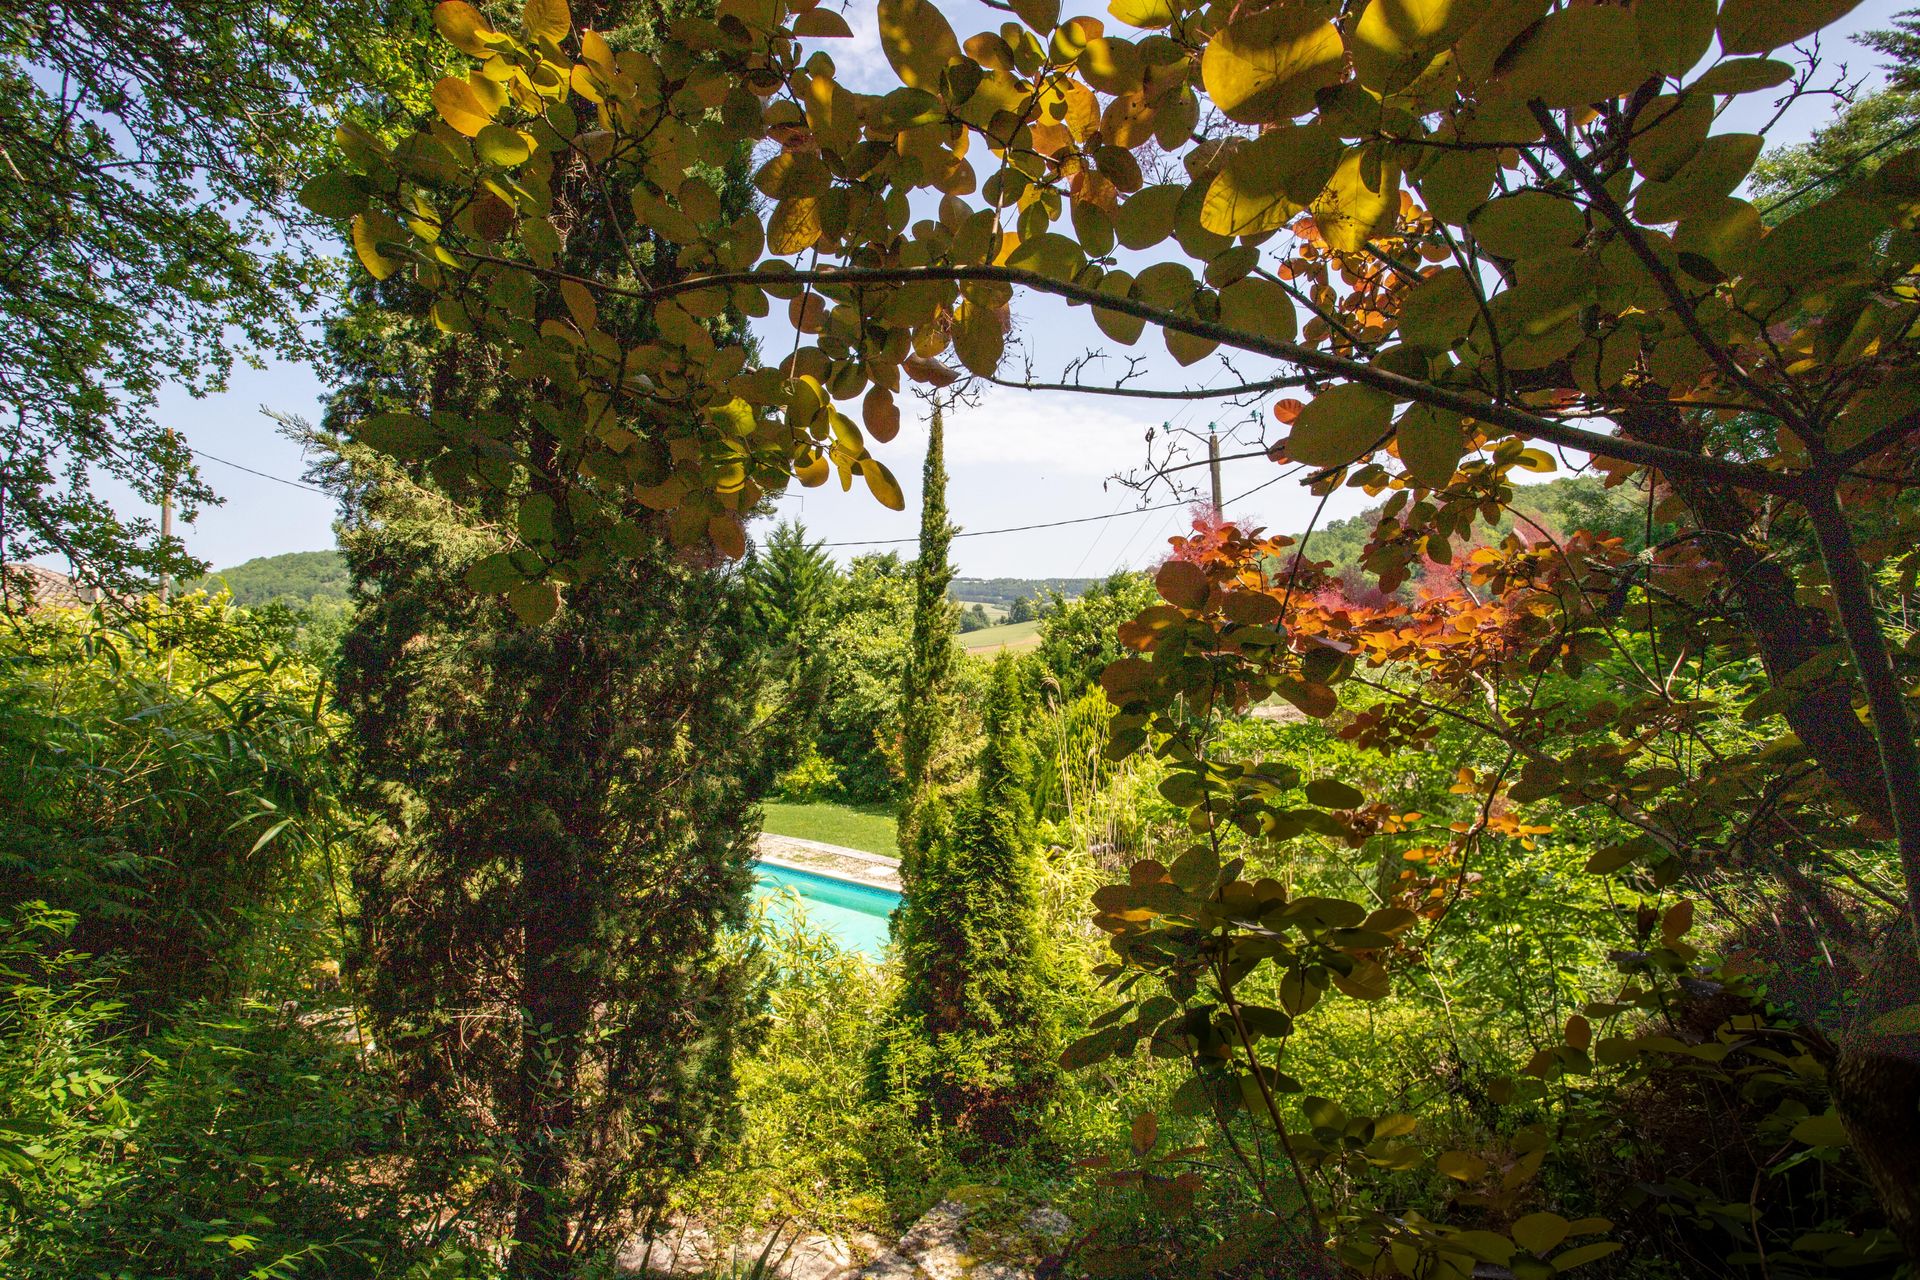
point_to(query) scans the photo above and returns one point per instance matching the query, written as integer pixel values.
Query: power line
(291, 484)
(1055, 524)
(1017, 528)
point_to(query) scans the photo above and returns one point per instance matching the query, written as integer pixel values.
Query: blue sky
(1016, 458)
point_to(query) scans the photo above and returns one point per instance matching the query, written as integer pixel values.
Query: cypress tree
(564, 812)
(973, 1031)
(931, 655)
(969, 1036)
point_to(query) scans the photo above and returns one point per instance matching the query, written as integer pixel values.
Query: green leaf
(1900, 1022)
(534, 603)
(1616, 856)
(1822, 1131)
(1331, 793)
(1432, 442)
(1529, 223)
(1453, 184)
(1755, 26)
(1048, 254)
(399, 435)
(494, 574)
(1340, 424)
(1742, 75)
(1268, 66)
(1720, 165)
(1583, 1254)
(1674, 34)
(1440, 311)
(1146, 218)
(334, 194)
(1260, 307)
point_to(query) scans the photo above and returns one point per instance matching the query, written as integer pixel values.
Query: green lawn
(1015, 636)
(867, 827)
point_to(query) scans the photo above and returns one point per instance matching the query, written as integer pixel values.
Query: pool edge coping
(828, 873)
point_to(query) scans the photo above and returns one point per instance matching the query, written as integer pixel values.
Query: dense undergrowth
(190, 1093)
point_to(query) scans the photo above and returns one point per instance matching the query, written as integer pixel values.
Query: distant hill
(1004, 591)
(299, 577)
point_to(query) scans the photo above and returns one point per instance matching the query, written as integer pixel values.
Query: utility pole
(166, 516)
(1213, 465)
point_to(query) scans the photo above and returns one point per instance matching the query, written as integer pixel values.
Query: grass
(867, 827)
(1012, 636)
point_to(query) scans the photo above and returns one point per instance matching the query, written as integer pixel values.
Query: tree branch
(1740, 475)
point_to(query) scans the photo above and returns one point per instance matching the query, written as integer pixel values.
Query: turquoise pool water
(854, 914)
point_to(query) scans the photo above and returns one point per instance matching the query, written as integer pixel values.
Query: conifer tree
(564, 806)
(972, 1031)
(791, 582)
(930, 658)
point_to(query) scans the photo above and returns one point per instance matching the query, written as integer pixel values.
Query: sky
(1014, 458)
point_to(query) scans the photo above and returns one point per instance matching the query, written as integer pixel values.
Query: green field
(866, 827)
(1015, 637)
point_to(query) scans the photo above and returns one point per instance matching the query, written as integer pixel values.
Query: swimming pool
(854, 914)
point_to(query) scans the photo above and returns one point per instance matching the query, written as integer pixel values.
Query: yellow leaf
(580, 303)
(1269, 179)
(1540, 1233)
(461, 107)
(367, 230)
(1674, 34)
(499, 145)
(1395, 40)
(1361, 200)
(462, 26)
(832, 113)
(1755, 26)
(917, 41)
(1259, 307)
(1145, 14)
(881, 483)
(822, 24)
(1268, 66)
(1575, 57)
(1112, 65)
(548, 18)
(794, 226)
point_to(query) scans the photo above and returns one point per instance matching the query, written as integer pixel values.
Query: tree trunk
(1876, 1086)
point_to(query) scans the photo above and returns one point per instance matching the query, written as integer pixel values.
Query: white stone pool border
(835, 862)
